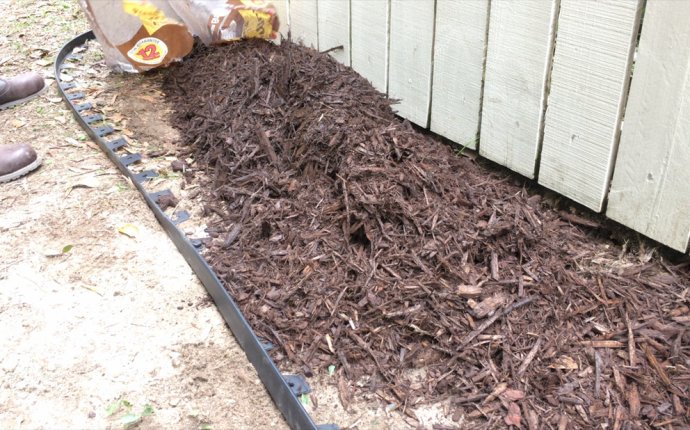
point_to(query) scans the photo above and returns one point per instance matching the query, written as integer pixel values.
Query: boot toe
(31, 82)
(16, 157)
(20, 88)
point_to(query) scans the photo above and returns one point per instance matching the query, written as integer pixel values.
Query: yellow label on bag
(150, 16)
(257, 24)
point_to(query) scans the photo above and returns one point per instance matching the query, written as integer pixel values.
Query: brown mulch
(350, 239)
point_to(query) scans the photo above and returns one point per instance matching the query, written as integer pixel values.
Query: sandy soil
(116, 320)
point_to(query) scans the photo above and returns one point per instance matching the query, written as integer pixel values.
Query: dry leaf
(85, 182)
(564, 362)
(129, 230)
(513, 416)
(74, 142)
(17, 123)
(149, 98)
(38, 53)
(116, 117)
(44, 63)
(66, 78)
(513, 395)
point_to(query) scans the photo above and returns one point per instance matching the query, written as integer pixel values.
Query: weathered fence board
(649, 191)
(282, 8)
(334, 28)
(369, 51)
(410, 65)
(458, 69)
(304, 24)
(518, 60)
(589, 81)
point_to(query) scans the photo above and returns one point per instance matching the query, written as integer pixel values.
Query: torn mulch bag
(139, 35)
(220, 21)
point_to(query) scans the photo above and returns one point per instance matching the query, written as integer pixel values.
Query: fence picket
(304, 23)
(591, 70)
(334, 28)
(518, 60)
(282, 8)
(370, 41)
(649, 191)
(458, 69)
(410, 66)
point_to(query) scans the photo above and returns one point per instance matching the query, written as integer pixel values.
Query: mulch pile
(350, 239)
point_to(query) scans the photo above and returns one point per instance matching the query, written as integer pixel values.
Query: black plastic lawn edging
(284, 389)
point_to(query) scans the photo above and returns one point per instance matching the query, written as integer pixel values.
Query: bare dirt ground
(99, 328)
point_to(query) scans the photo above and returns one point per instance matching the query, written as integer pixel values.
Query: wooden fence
(589, 98)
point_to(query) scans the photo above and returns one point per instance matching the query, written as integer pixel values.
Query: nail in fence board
(409, 70)
(649, 191)
(334, 28)
(518, 60)
(458, 69)
(304, 22)
(591, 69)
(369, 37)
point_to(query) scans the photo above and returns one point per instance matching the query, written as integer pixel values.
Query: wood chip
(633, 401)
(631, 341)
(603, 343)
(468, 290)
(489, 305)
(529, 357)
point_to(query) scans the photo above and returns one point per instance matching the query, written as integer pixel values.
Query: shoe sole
(21, 172)
(26, 99)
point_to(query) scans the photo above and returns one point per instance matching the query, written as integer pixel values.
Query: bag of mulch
(139, 35)
(220, 21)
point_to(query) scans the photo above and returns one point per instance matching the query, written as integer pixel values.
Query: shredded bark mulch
(350, 239)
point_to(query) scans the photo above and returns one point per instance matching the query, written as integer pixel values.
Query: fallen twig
(335, 48)
(486, 324)
(266, 146)
(530, 356)
(631, 341)
(597, 374)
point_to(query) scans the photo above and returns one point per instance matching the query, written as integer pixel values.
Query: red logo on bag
(149, 52)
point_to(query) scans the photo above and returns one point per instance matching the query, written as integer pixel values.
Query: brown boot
(17, 160)
(20, 89)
